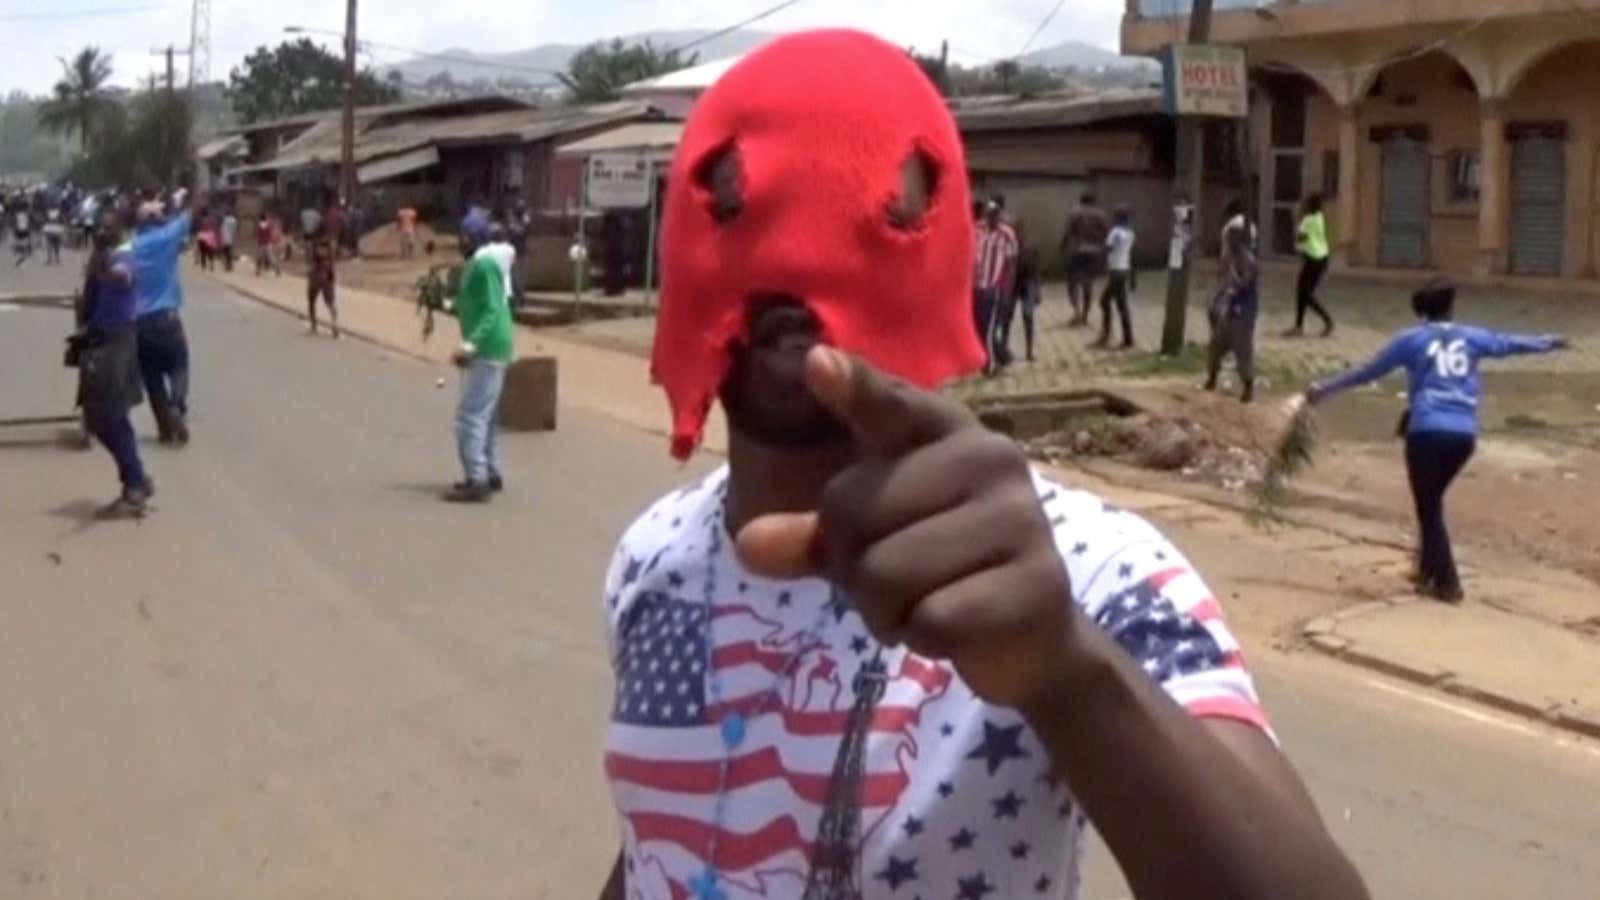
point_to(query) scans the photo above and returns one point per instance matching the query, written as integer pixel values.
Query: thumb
(782, 546)
(883, 413)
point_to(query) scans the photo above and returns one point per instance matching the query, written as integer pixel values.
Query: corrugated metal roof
(656, 138)
(1054, 110)
(691, 80)
(320, 145)
(220, 147)
(400, 164)
(386, 110)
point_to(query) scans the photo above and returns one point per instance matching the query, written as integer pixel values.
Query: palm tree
(79, 99)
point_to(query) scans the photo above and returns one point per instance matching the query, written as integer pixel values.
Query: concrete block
(1361, 609)
(1496, 697)
(1423, 673)
(1331, 644)
(1318, 626)
(529, 401)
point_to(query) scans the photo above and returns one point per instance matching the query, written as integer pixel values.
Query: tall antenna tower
(200, 43)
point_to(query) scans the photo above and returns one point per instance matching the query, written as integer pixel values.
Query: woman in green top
(1312, 241)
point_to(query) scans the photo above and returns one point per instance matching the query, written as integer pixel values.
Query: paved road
(305, 677)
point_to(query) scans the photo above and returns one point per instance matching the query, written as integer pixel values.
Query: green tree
(298, 77)
(148, 143)
(79, 99)
(599, 71)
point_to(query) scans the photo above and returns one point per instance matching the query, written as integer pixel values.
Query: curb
(354, 333)
(1323, 635)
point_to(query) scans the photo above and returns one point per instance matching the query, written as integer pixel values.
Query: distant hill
(1078, 55)
(554, 57)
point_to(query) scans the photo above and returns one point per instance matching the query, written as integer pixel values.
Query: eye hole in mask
(919, 182)
(719, 180)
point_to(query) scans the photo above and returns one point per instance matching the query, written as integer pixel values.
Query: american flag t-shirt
(955, 797)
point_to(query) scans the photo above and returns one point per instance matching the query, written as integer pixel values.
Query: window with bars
(1466, 176)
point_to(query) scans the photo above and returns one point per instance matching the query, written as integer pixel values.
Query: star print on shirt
(898, 872)
(859, 644)
(1125, 571)
(947, 729)
(962, 840)
(630, 574)
(999, 745)
(1080, 548)
(913, 826)
(675, 579)
(1042, 885)
(946, 789)
(975, 888)
(1020, 849)
(1007, 807)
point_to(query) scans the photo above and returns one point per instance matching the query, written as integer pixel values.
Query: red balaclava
(822, 124)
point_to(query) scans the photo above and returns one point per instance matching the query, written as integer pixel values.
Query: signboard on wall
(1206, 80)
(617, 181)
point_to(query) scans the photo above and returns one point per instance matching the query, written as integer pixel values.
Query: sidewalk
(1517, 645)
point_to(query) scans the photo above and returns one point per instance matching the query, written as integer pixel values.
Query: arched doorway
(1552, 133)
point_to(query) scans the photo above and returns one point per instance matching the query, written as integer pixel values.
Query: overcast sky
(978, 30)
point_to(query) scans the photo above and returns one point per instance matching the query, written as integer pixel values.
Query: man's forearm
(1185, 813)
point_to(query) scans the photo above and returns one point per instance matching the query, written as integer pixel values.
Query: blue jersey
(1441, 360)
(155, 254)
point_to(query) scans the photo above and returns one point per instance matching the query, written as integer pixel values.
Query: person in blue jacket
(1441, 359)
(163, 348)
(108, 362)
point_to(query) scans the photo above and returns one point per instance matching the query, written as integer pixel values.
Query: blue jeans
(164, 366)
(478, 417)
(116, 435)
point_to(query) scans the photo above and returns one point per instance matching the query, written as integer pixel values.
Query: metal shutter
(1403, 223)
(1538, 205)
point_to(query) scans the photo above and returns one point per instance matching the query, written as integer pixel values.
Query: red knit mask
(821, 127)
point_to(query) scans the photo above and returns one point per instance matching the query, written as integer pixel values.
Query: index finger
(886, 415)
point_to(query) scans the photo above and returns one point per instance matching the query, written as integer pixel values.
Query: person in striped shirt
(994, 279)
(877, 655)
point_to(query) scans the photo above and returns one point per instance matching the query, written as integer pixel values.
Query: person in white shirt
(55, 232)
(1119, 259)
(22, 234)
(499, 248)
(230, 235)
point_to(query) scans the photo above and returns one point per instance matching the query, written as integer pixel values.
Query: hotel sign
(1206, 80)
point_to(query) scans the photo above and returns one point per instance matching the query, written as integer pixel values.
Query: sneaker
(132, 503)
(469, 492)
(180, 433)
(1327, 330)
(496, 483)
(1451, 595)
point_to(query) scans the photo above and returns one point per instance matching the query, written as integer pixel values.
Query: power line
(766, 13)
(1042, 26)
(82, 13)
(443, 57)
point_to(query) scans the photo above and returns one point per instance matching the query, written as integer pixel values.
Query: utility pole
(170, 51)
(1188, 183)
(347, 142)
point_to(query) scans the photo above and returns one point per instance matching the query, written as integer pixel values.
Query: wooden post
(1188, 183)
(347, 139)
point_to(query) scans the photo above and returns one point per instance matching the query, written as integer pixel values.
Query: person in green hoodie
(486, 347)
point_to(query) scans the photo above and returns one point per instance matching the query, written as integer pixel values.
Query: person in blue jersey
(163, 347)
(108, 363)
(1442, 360)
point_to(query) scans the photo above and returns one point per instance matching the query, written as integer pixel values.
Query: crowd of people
(47, 217)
